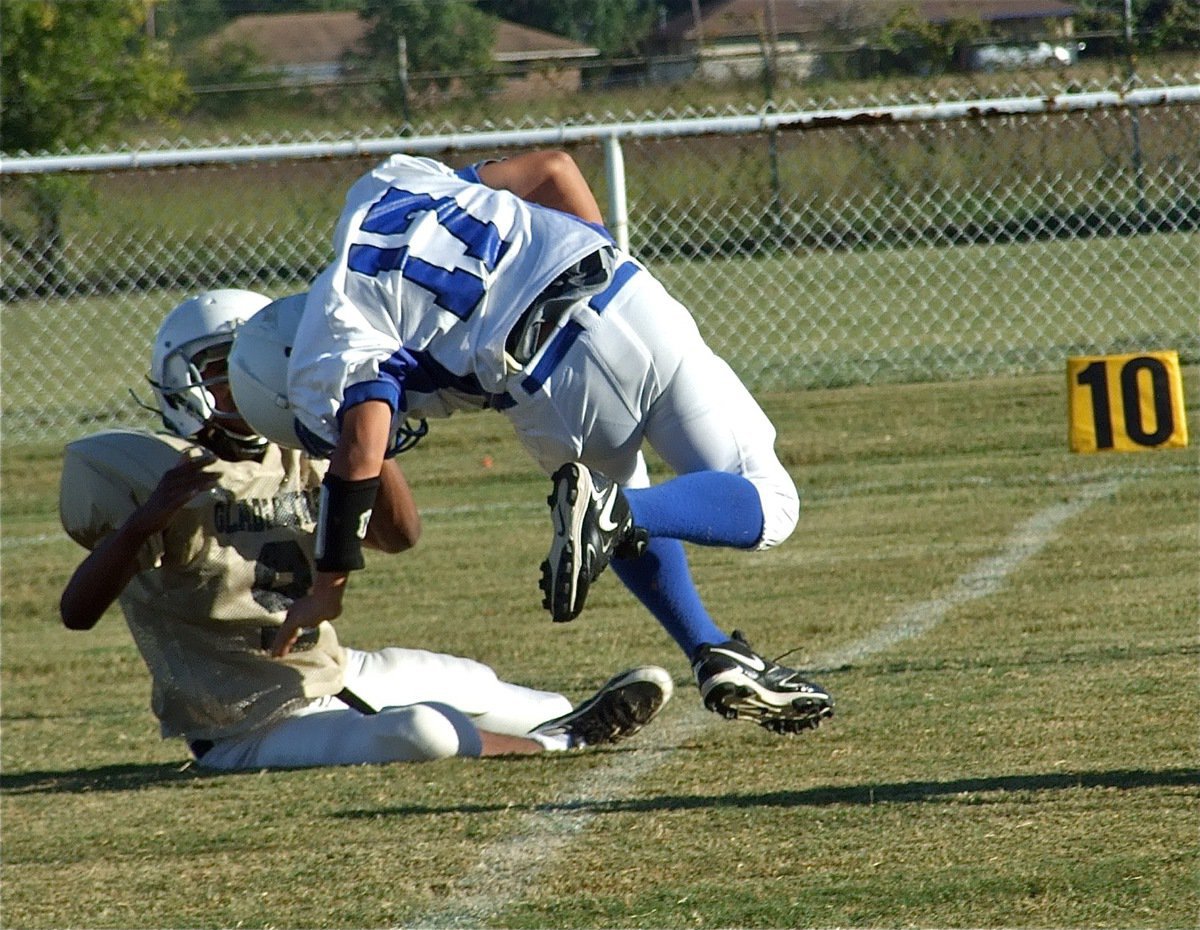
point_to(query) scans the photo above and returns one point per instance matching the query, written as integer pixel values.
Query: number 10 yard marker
(1125, 403)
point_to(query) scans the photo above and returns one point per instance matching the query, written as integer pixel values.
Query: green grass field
(1010, 631)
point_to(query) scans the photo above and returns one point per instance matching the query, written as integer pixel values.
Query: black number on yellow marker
(1095, 377)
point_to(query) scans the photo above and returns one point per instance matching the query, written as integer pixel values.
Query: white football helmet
(193, 334)
(258, 376)
(258, 370)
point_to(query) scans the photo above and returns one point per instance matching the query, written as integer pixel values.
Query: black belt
(587, 276)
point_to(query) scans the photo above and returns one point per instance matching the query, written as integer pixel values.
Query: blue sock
(661, 580)
(711, 508)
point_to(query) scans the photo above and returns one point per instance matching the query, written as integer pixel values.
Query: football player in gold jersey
(204, 535)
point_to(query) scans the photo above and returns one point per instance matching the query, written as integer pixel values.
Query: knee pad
(780, 506)
(433, 731)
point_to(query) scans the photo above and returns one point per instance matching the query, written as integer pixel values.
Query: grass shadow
(134, 776)
(123, 777)
(867, 794)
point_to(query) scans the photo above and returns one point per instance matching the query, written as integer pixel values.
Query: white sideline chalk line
(982, 580)
(508, 867)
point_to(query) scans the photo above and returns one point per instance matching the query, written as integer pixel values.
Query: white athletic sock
(555, 742)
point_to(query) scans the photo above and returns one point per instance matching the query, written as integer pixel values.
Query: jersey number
(457, 290)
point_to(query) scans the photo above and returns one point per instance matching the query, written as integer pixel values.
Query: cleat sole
(738, 702)
(581, 547)
(565, 598)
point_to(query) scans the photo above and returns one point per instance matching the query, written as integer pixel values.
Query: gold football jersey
(213, 587)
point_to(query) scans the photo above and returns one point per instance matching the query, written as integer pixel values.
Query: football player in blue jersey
(497, 286)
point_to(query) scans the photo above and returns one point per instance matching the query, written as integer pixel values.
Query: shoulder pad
(135, 458)
(107, 475)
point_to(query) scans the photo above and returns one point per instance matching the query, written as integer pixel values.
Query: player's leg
(708, 428)
(328, 733)
(589, 406)
(639, 370)
(731, 489)
(661, 579)
(503, 711)
(394, 676)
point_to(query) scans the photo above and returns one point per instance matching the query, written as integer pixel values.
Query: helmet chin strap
(224, 441)
(231, 446)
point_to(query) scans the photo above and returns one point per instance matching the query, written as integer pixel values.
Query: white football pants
(431, 706)
(639, 370)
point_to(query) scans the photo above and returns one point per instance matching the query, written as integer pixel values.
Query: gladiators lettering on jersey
(286, 509)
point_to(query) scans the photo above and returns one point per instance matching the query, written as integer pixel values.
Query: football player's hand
(177, 486)
(323, 602)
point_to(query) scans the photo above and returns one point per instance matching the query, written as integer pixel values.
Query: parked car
(1010, 57)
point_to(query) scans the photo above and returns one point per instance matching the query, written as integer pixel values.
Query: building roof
(294, 39)
(515, 42)
(728, 19)
(940, 11)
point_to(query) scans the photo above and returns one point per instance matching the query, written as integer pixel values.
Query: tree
(72, 72)
(919, 46)
(444, 41)
(615, 27)
(182, 22)
(1174, 24)
(1165, 24)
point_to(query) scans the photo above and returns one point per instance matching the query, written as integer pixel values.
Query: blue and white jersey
(431, 272)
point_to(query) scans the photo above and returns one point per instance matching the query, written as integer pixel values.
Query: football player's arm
(395, 523)
(103, 575)
(346, 495)
(550, 178)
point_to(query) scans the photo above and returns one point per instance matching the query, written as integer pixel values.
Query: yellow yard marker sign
(1125, 403)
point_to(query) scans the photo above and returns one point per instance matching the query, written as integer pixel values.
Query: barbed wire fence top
(816, 253)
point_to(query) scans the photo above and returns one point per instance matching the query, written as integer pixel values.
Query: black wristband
(345, 510)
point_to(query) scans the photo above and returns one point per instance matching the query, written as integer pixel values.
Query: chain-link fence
(857, 250)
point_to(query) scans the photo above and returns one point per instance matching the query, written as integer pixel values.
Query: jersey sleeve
(470, 173)
(105, 478)
(348, 343)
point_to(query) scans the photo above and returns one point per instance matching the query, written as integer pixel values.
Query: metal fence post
(614, 175)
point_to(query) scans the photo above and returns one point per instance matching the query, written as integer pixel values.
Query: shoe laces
(741, 638)
(777, 659)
